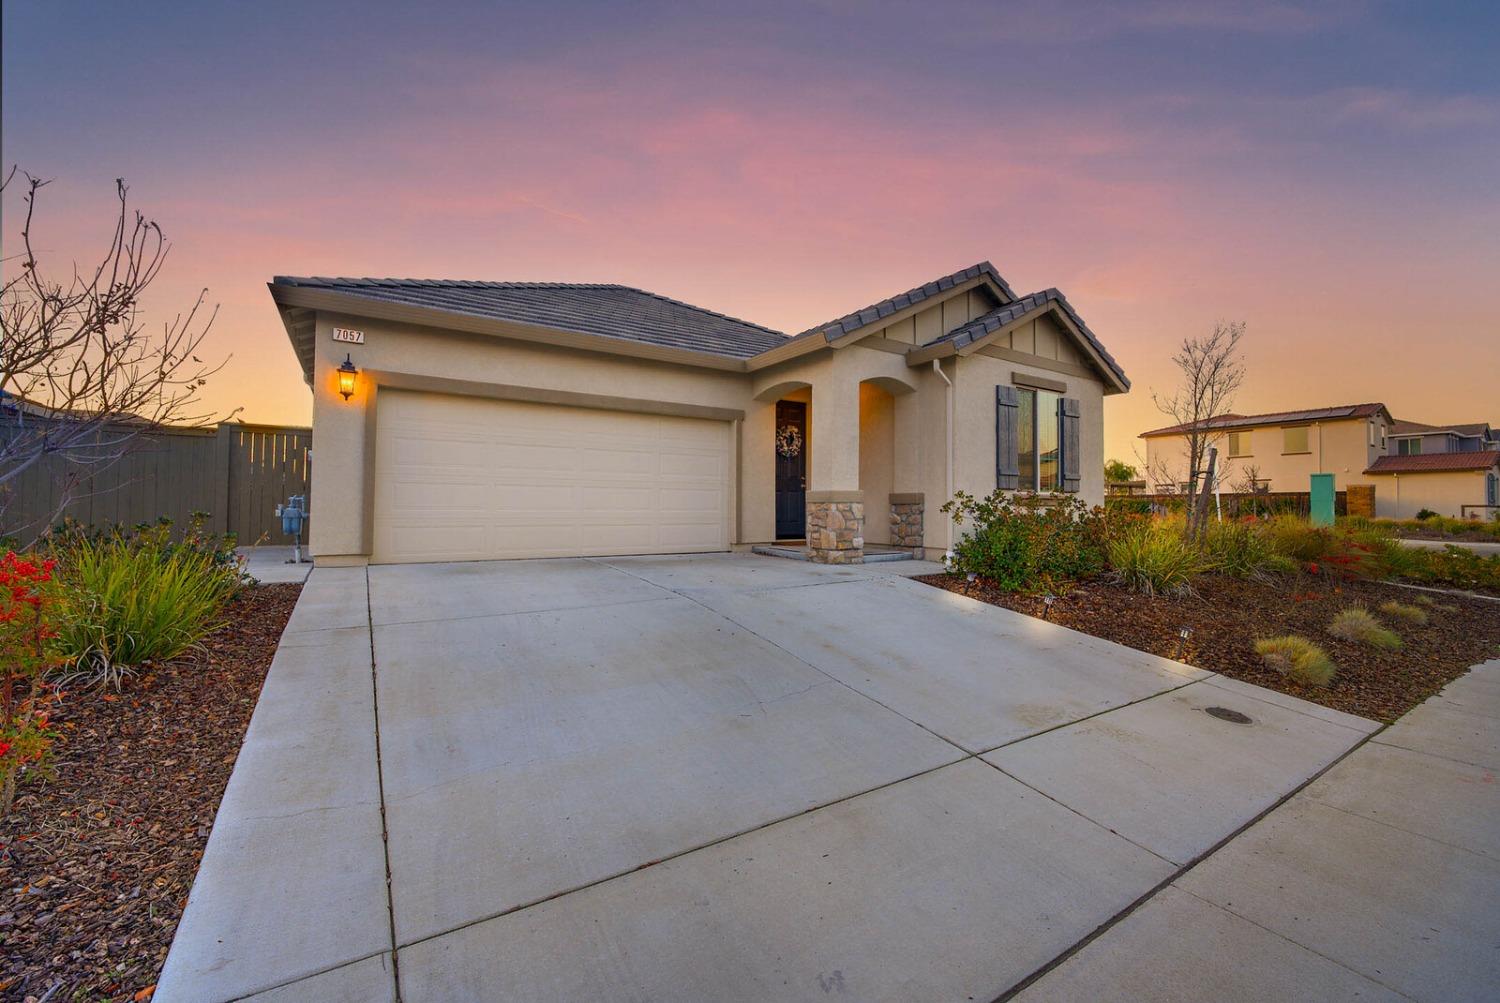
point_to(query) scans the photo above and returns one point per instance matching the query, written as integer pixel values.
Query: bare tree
(81, 378)
(1251, 482)
(1211, 373)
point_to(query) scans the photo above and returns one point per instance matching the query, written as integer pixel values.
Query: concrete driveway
(721, 777)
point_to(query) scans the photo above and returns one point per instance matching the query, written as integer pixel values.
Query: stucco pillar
(835, 505)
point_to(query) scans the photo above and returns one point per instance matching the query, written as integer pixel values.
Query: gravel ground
(96, 864)
(1228, 615)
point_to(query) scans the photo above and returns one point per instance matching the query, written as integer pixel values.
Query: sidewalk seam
(1062, 958)
(385, 832)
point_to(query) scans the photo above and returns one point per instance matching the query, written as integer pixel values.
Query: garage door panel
(460, 478)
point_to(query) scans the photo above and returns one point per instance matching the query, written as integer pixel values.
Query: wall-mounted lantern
(347, 372)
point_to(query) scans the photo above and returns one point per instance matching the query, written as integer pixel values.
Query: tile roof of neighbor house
(977, 328)
(611, 311)
(851, 322)
(1430, 462)
(1227, 421)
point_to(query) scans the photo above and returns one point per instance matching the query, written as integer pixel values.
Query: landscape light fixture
(347, 372)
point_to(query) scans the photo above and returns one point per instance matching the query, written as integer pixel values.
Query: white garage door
(468, 479)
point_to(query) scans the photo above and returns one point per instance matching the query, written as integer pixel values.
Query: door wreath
(789, 441)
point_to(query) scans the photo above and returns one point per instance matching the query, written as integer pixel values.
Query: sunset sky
(1328, 173)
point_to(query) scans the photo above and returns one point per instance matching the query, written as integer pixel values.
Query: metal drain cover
(1225, 714)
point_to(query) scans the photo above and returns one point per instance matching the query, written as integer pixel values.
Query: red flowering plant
(28, 599)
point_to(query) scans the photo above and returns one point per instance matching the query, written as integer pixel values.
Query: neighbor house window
(1239, 443)
(1294, 440)
(1409, 447)
(1372, 433)
(1491, 489)
(1038, 439)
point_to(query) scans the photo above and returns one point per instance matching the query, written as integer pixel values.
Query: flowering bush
(1029, 544)
(28, 596)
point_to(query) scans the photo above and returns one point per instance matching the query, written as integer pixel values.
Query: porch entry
(791, 470)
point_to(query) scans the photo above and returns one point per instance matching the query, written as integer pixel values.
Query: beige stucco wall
(978, 375)
(877, 425)
(1341, 448)
(1402, 496)
(877, 459)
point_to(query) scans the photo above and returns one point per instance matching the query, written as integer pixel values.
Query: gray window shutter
(1007, 415)
(1068, 410)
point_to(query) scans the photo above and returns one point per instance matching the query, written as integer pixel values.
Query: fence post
(222, 494)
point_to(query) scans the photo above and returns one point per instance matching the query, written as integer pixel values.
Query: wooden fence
(1237, 504)
(237, 473)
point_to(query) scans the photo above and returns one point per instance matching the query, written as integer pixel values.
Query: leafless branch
(81, 377)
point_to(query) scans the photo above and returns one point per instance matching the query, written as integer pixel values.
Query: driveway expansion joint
(385, 831)
(1170, 880)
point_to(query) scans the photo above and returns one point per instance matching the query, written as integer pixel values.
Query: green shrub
(1029, 544)
(132, 597)
(1239, 550)
(1356, 624)
(1424, 514)
(1298, 659)
(1456, 567)
(1295, 537)
(1155, 558)
(1404, 611)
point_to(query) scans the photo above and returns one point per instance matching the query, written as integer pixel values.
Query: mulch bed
(96, 864)
(1228, 615)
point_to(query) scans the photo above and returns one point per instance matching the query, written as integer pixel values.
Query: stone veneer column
(906, 520)
(836, 527)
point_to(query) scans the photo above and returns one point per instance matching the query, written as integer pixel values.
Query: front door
(791, 470)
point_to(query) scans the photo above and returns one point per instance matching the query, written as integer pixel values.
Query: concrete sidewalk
(272, 565)
(1380, 880)
(1480, 547)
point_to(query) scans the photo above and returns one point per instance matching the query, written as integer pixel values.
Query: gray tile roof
(851, 322)
(977, 328)
(611, 311)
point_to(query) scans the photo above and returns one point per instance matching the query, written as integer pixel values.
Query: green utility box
(1321, 507)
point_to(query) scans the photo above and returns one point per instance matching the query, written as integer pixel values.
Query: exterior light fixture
(347, 372)
(1182, 640)
(1047, 601)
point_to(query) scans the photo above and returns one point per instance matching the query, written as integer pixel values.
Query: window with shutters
(1039, 440)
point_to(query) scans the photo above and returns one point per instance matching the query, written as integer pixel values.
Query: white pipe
(937, 367)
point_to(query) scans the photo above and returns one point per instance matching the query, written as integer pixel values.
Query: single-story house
(458, 420)
(1461, 485)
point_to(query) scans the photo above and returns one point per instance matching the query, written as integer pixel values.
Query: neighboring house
(533, 419)
(1459, 484)
(1448, 469)
(1412, 438)
(1277, 451)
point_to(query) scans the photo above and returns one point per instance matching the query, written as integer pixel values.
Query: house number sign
(347, 334)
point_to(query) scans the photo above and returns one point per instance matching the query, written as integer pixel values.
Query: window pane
(1049, 459)
(1294, 440)
(1026, 439)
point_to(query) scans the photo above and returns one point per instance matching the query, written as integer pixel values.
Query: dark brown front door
(791, 470)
